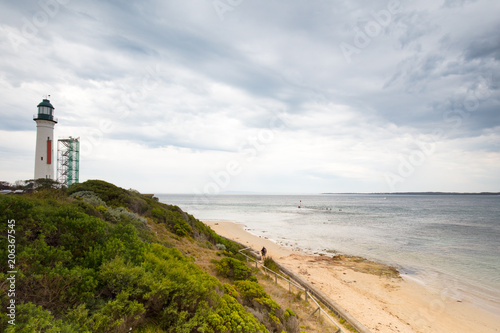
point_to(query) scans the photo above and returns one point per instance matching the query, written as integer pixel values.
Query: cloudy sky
(295, 96)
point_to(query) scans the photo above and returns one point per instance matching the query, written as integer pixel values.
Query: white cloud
(165, 95)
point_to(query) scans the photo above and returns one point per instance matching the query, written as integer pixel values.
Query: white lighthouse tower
(44, 156)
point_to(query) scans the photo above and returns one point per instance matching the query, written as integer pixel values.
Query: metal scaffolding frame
(68, 161)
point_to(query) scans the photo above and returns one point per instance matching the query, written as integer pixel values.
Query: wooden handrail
(298, 286)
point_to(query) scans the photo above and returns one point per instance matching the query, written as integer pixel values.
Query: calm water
(449, 243)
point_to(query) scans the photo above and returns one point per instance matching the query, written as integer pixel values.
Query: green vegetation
(233, 268)
(266, 309)
(271, 264)
(88, 260)
(253, 296)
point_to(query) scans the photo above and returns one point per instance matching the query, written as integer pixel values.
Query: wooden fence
(291, 283)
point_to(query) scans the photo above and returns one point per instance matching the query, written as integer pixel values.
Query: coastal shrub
(101, 209)
(90, 197)
(232, 317)
(174, 220)
(151, 328)
(112, 214)
(119, 276)
(116, 204)
(80, 272)
(233, 269)
(33, 318)
(220, 247)
(250, 290)
(112, 195)
(272, 315)
(271, 264)
(230, 290)
(117, 315)
(289, 313)
(120, 214)
(131, 215)
(291, 322)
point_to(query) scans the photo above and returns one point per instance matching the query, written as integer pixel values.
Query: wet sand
(372, 293)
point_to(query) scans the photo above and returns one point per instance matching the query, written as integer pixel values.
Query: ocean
(450, 243)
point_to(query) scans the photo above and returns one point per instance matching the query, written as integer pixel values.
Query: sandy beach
(381, 302)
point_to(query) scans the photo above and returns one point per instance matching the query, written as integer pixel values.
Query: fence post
(275, 278)
(306, 293)
(312, 314)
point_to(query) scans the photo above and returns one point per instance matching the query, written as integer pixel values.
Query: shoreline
(383, 303)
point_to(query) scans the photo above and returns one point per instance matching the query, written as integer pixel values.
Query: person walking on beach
(263, 251)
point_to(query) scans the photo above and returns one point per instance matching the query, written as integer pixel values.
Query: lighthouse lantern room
(44, 156)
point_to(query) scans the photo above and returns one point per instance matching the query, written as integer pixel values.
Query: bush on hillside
(233, 269)
(107, 196)
(267, 310)
(78, 271)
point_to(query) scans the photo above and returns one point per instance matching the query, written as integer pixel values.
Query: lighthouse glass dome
(45, 111)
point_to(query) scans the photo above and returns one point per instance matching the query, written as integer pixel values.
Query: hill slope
(88, 260)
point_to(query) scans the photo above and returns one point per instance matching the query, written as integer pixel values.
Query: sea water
(451, 243)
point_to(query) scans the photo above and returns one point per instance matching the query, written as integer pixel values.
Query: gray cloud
(174, 81)
(485, 48)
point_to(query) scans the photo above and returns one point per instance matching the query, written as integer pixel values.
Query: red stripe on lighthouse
(49, 152)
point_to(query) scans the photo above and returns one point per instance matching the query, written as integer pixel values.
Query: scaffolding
(68, 161)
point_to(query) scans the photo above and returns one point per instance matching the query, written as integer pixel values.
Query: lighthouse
(44, 155)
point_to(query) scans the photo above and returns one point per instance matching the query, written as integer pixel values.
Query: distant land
(426, 193)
